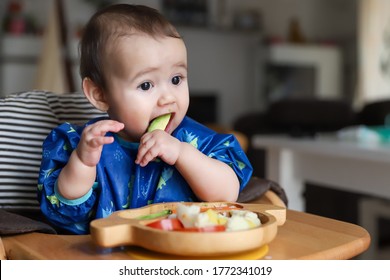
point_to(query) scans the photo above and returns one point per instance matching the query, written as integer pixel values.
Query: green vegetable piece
(160, 122)
(155, 215)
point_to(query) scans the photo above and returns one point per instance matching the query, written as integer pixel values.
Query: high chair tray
(127, 227)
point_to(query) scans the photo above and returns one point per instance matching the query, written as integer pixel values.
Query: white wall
(222, 62)
(374, 52)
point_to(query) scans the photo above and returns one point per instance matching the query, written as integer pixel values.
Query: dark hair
(110, 23)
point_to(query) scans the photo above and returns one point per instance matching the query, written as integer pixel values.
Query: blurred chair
(296, 118)
(375, 113)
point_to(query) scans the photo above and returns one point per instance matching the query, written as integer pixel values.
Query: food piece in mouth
(160, 122)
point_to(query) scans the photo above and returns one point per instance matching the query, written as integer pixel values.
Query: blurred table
(350, 166)
(303, 236)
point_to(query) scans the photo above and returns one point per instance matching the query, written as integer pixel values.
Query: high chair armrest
(263, 191)
(12, 223)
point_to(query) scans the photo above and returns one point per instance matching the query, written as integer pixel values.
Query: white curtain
(374, 51)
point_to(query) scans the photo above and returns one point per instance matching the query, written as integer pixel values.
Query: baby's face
(147, 78)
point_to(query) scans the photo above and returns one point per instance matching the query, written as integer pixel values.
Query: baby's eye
(145, 86)
(176, 80)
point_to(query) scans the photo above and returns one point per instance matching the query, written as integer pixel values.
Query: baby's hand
(93, 138)
(158, 144)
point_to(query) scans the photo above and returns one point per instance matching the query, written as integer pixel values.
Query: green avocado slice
(160, 122)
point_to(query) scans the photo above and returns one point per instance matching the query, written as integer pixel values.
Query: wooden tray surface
(123, 228)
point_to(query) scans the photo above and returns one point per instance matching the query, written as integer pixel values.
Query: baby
(134, 67)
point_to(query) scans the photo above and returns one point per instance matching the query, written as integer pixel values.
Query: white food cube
(187, 214)
(242, 220)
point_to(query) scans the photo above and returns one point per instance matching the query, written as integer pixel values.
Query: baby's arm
(78, 175)
(210, 179)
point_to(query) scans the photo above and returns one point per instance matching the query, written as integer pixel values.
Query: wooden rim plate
(124, 228)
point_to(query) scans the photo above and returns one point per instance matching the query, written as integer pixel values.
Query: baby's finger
(149, 156)
(100, 141)
(145, 146)
(102, 127)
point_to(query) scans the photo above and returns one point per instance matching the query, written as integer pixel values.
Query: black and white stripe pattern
(25, 120)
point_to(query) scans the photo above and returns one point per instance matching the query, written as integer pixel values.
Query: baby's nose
(166, 97)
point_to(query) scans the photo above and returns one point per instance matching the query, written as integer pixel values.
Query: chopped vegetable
(193, 218)
(167, 224)
(216, 208)
(242, 220)
(210, 218)
(187, 214)
(173, 224)
(155, 215)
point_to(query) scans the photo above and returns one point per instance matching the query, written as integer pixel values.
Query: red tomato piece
(167, 224)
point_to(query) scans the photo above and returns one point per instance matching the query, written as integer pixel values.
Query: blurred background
(295, 67)
(235, 41)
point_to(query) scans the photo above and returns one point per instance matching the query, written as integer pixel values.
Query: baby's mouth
(169, 122)
(161, 122)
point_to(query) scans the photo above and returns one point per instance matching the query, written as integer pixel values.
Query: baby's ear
(95, 95)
